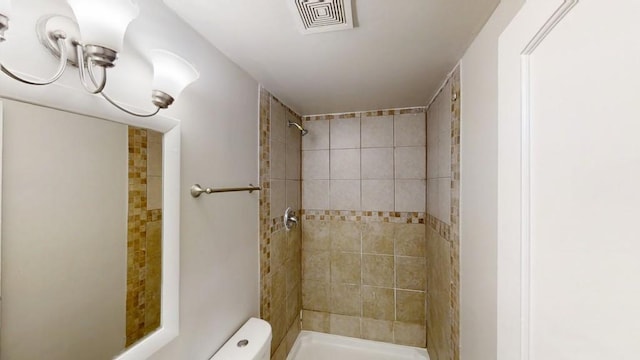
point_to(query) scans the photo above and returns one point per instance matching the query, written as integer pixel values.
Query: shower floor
(318, 346)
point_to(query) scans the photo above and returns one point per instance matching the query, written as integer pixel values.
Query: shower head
(303, 131)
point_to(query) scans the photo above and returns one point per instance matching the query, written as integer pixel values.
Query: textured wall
(363, 257)
(280, 257)
(144, 235)
(443, 214)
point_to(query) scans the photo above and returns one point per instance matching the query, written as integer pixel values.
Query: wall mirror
(90, 226)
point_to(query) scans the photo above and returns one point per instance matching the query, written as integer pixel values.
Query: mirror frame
(75, 100)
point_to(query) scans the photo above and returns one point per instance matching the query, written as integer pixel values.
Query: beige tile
(409, 334)
(318, 136)
(346, 299)
(278, 322)
(344, 325)
(378, 303)
(278, 121)
(277, 160)
(293, 270)
(345, 236)
(444, 200)
(315, 295)
(281, 352)
(293, 163)
(377, 330)
(292, 334)
(316, 235)
(278, 288)
(345, 268)
(278, 249)
(315, 194)
(345, 164)
(377, 131)
(410, 239)
(293, 195)
(411, 273)
(410, 163)
(316, 265)
(293, 134)
(444, 144)
(378, 195)
(410, 306)
(377, 238)
(293, 304)
(154, 156)
(315, 165)
(377, 163)
(377, 270)
(154, 192)
(410, 130)
(315, 321)
(344, 195)
(410, 195)
(345, 133)
(278, 197)
(433, 201)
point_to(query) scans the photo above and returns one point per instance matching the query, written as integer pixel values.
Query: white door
(569, 182)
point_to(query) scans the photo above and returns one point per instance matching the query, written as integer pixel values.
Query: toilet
(251, 342)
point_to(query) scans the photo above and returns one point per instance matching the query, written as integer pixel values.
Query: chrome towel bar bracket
(197, 190)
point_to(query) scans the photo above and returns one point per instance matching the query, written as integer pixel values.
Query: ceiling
(398, 54)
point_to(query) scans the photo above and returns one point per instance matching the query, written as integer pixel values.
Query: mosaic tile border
(371, 216)
(386, 112)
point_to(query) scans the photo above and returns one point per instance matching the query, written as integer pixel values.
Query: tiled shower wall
(443, 204)
(280, 250)
(144, 239)
(364, 197)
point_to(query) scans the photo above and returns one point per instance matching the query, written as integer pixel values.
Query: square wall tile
(278, 121)
(278, 197)
(411, 273)
(318, 136)
(316, 235)
(410, 195)
(293, 163)
(410, 240)
(316, 265)
(345, 133)
(315, 295)
(344, 195)
(410, 130)
(378, 195)
(278, 250)
(315, 194)
(377, 163)
(345, 268)
(292, 133)
(377, 131)
(345, 164)
(377, 238)
(410, 306)
(315, 321)
(293, 194)
(154, 192)
(378, 303)
(315, 165)
(277, 160)
(345, 325)
(346, 299)
(433, 198)
(444, 200)
(377, 330)
(411, 163)
(378, 270)
(345, 236)
(154, 153)
(410, 334)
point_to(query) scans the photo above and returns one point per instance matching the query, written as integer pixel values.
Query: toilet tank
(251, 342)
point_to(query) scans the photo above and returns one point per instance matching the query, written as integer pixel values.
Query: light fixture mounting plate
(46, 28)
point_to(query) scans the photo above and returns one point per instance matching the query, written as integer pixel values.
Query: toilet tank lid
(257, 334)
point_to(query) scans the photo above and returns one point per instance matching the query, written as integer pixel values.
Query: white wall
(219, 280)
(479, 181)
(64, 235)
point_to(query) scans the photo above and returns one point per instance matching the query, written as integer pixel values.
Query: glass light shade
(5, 8)
(104, 22)
(171, 73)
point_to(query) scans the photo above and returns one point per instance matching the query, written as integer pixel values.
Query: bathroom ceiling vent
(314, 16)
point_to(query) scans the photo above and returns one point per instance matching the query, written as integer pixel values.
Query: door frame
(535, 21)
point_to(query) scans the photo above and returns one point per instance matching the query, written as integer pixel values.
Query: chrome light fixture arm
(88, 67)
(60, 39)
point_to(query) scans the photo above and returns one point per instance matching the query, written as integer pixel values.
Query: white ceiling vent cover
(314, 16)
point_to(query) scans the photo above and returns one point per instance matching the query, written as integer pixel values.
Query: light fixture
(93, 44)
